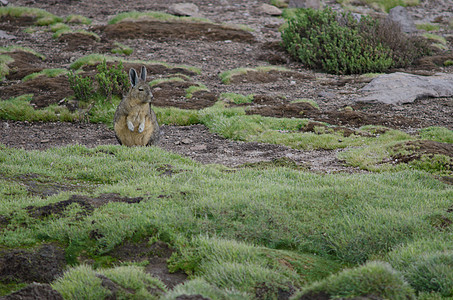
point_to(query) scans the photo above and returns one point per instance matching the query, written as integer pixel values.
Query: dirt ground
(213, 49)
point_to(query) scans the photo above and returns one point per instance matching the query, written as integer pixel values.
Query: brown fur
(135, 109)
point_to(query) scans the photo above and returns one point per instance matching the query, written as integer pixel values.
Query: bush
(339, 44)
(110, 81)
(81, 86)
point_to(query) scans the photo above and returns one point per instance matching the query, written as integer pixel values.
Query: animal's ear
(143, 73)
(133, 76)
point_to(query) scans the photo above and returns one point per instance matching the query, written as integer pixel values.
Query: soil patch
(24, 63)
(35, 291)
(37, 185)
(77, 41)
(86, 203)
(174, 94)
(46, 91)
(172, 30)
(414, 150)
(43, 264)
(157, 254)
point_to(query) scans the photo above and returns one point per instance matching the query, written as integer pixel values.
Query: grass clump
(77, 19)
(195, 88)
(65, 30)
(19, 109)
(227, 76)
(83, 282)
(427, 27)
(59, 27)
(8, 49)
(309, 101)
(46, 72)
(339, 44)
(152, 15)
(162, 80)
(122, 49)
(373, 279)
(43, 18)
(279, 3)
(427, 264)
(94, 59)
(4, 69)
(229, 264)
(384, 5)
(237, 98)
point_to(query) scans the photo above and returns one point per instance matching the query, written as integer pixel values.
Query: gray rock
(400, 88)
(400, 15)
(4, 35)
(184, 9)
(315, 4)
(270, 10)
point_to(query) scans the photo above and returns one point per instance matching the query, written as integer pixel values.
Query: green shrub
(111, 81)
(81, 86)
(373, 279)
(339, 44)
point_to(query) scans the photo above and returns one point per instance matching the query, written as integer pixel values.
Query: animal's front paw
(141, 127)
(130, 125)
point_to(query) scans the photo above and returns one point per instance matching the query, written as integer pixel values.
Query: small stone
(201, 147)
(184, 9)
(44, 141)
(4, 35)
(270, 10)
(186, 141)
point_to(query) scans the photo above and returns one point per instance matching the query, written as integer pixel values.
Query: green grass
(428, 27)
(152, 15)
(195, 88)
(122, 49)
(46, 72)
(19, 109)
(226, 76)
(59, 26)
(309, 101)
(68, 30)
(4, 61)
(375, 156)
(77, 19)
(375, 278)
(83, 282)
(43, 18)
(93, 59)
(13, 48)
(232, 231)
(236, 98)
(435, 38)
(162, 80)
(384, 5)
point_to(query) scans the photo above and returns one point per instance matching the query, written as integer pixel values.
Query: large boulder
(400, 16)
(399, 88)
